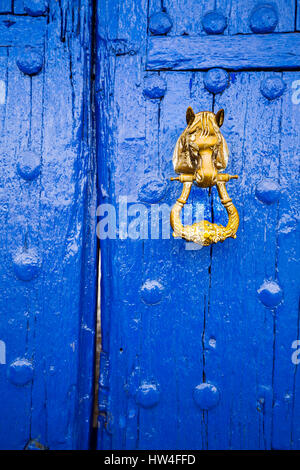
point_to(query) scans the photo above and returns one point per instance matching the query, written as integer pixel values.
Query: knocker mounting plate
(200, 155)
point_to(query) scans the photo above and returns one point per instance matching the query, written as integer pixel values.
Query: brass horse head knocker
(200, 154)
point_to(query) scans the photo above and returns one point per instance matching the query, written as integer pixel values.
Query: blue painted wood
(239, 14)
(33, 8)
(286, 431)
(197, 344)
(188, 15)
(232, 52)
(20, 31)
(48, 246)
(5, 6)
(127, 70)
(245, 326)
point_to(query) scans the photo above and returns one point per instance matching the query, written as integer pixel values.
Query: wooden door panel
(48, 242)
(199, 354)
(187, 15)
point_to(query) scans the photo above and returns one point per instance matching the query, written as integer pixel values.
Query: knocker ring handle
(200, 153)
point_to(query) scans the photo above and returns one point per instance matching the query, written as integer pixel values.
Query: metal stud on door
(209, 336)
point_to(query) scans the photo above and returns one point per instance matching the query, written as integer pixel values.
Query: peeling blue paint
(268, 191)
(216, 80)
(272, 87)
(47, 206)
(20, 372)
(206, 396)
(147, 395)
(270, 294)
(263, 18)
(214, 22)
(196, 344)
(216, 339)
(160, 23)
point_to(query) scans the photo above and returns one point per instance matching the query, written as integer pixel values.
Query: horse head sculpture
(200, 154)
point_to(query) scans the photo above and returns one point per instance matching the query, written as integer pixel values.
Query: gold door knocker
(200, 154)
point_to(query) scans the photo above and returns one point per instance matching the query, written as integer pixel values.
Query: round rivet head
(214, 22)
(268, 191)
(154, 87)
(147, 395)
(26, 264)
(270, 294)
(160, 23)
(35, 7)
(151, 291)
(272, 87)
(30, 62)
(20, 372)
(206, 396)
(29, 165)
(263, 19)
(152, 191)
(216, 80)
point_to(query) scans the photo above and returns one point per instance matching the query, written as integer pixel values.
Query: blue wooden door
(47, 202)
(200, 346)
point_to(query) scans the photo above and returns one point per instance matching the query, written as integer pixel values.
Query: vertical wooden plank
(5, 6)
(4, 51)
(49, 271)
(122, 138)
(243, 330)
(29, 206)
(17, 372)
(187, 16)
(286, 403)
(180, 312)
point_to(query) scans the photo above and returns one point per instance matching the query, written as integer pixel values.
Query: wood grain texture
(209, 326)
(122, 131)
(286, 406)
(238, 14)
(187, 15)
(47, 322)
(244, 325)
(23, 31)
(5, 6)
(184, 307)
(232, 52)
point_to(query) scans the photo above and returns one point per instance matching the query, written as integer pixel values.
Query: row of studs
(206, 395)
(269, 293)
(215, 80)
(27, 262)
(263, 19)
